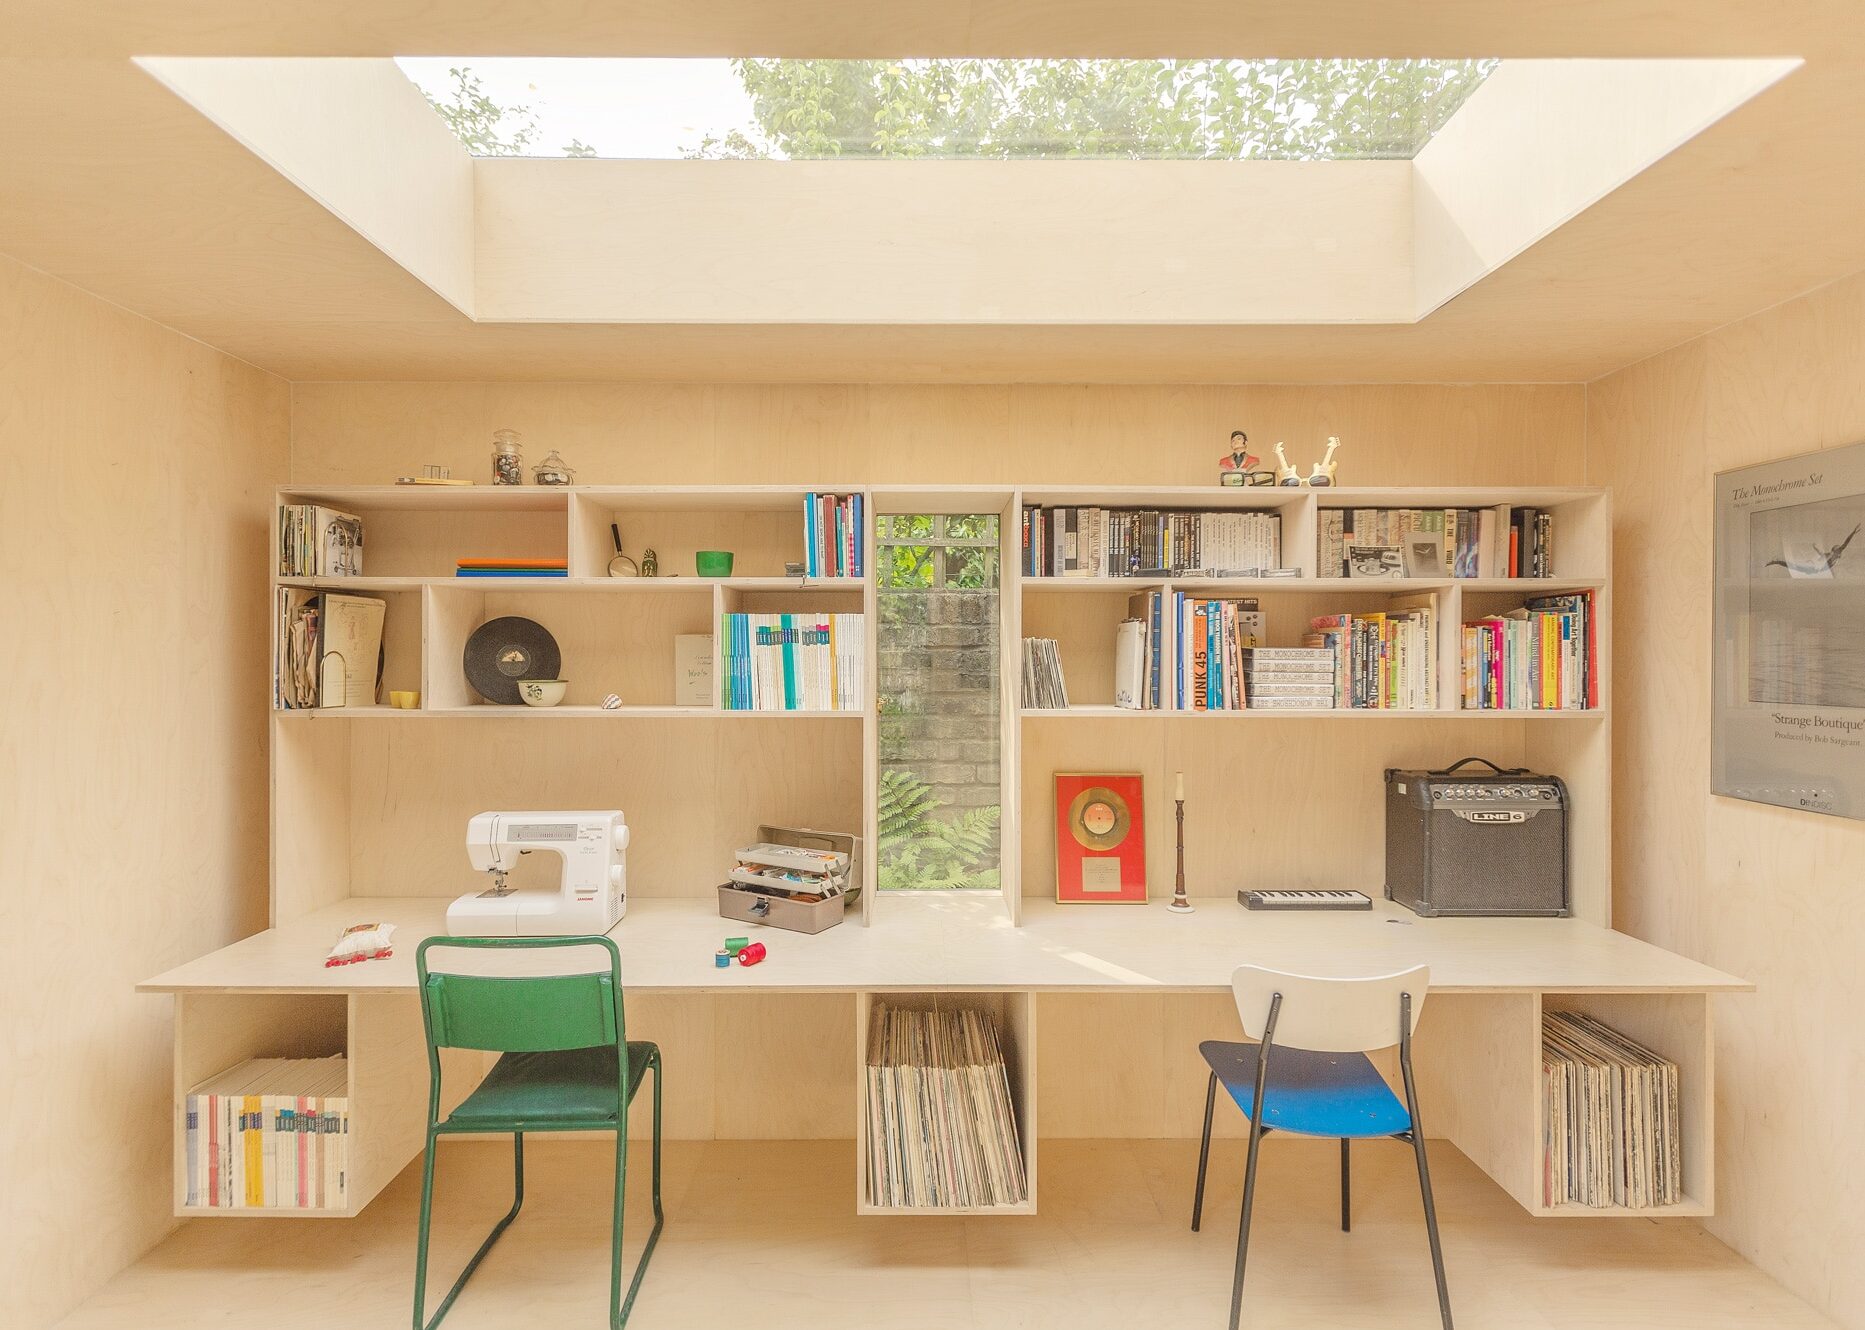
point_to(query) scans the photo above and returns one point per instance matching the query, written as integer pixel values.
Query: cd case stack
(1610, 1109)
(941, 1128)
(272, 1134)
(1044, 688)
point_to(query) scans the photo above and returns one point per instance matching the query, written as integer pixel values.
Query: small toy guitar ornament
(1285, 474)
(1323, 474)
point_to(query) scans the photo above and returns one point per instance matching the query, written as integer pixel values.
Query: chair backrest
(521, 1013)
(1328, 1015)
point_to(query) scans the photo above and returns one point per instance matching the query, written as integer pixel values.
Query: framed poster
(1100, 838)
(1788, 671)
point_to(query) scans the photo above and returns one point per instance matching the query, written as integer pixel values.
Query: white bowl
(542, 692)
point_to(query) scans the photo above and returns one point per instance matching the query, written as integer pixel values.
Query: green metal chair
(565, 1064)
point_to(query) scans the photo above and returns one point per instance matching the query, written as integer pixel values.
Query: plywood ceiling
(109, 182)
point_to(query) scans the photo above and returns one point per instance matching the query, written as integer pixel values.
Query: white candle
(1179, 789)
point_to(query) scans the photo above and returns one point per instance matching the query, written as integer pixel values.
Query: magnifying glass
(621, 565)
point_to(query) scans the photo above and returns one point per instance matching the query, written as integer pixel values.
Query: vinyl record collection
(1043, 685)
(270, 1133)
(941, 1127)
(1611, 1118)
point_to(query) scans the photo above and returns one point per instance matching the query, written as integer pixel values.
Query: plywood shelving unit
(370, 802)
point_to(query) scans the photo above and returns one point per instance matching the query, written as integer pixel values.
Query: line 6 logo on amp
(1491, 815)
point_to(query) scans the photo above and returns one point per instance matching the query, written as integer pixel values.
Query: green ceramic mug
(713, 563)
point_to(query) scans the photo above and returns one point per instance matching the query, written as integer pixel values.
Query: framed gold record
(1099, 819)
(1100, 838)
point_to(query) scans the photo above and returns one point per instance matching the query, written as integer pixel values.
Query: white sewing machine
(592, 889)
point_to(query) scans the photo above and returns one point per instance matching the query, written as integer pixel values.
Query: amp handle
(1455, 767)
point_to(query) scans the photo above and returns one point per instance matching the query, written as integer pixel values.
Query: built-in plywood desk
(1102, 1007)
(1122, 994)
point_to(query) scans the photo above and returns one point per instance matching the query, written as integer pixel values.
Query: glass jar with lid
(508, 461)
(553, 470)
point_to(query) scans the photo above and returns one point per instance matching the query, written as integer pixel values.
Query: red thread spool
(751, 954)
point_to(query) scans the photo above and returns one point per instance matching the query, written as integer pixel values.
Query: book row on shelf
(1542, 657)
(1148, 542)
(1439, 542)
(942, 1130)
(792, 662)
(270, 1133)
(832, 526)
(1610, 1109)
(1185, 652)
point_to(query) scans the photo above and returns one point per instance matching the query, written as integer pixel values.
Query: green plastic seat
(561, 1040)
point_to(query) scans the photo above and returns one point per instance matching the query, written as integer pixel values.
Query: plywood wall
(133, 521)
(1763, 892)
(362, 433)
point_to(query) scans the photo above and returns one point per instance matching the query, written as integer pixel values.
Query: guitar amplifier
(1476, 843)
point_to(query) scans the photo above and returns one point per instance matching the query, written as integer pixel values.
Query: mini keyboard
(1305, 900)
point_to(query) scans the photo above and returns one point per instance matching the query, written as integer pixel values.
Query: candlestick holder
(1181, 904)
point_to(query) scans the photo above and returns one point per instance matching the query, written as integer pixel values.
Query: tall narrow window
(939, 697)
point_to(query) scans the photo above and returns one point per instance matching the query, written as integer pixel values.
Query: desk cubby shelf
(379, 806)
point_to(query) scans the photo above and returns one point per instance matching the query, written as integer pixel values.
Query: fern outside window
(940, 717)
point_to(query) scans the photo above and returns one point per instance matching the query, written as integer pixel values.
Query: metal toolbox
(749, 906)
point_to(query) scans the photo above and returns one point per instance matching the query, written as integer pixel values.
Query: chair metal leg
(427, 1212)
(619, 1307)
(1346, 1190)
(1204, 1151)
(1243, 1226)
(1431, 1228)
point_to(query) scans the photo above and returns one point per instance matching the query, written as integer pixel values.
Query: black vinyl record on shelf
(502, 651)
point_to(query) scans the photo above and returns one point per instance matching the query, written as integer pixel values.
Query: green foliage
(488, 129)
(922, 851)
(1228, 109)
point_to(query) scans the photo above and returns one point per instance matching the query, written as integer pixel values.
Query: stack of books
(1149, 542)
(1044, 688)
(792, 662)
(315, 541)
(270, 1133)
(832, 535)
(941, 1127)
(1542, 657)
(1384, 661)
(1610, 1108)
(1289, 678)
(511, 568)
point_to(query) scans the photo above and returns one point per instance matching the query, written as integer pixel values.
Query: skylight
(1234, 110)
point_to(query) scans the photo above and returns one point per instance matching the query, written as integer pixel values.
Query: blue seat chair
(1308, 1074)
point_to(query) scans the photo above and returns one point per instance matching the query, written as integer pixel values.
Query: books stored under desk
(1612, 1130)
(942, 1131)
(270, 1133)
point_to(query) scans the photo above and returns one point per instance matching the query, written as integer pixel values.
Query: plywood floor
(762, 1234)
